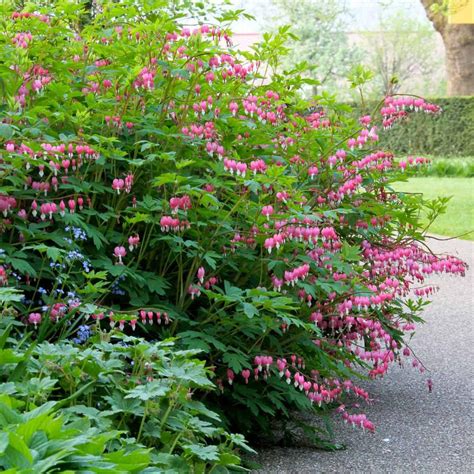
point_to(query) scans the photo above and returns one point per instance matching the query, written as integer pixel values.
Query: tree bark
(458, 41)
(459, 44)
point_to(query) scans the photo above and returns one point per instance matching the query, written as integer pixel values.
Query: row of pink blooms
(146, 317)
(326, 392)
(46, 210)
(56, 153)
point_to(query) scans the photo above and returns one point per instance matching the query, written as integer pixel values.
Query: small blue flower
(58, 266)
(74, 255)
(83, 334)
(77, 233)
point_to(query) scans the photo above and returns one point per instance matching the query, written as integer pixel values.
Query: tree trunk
(459, 46)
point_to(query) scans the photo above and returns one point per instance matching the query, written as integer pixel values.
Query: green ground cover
(459, 218)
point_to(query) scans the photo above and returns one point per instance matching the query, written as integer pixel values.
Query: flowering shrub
(156, 182)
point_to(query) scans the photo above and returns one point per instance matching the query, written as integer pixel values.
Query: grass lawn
(459, 217)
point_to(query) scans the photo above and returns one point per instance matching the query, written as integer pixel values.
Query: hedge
(448, 134)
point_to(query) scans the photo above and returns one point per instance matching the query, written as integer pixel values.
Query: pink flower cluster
(200, 108)
(363, 138)
(3, 276)
(35, 79)
(27, 15)
(47, 209)
(292, 277)
(195, 289)
(307, 233)
(117, 122)
(60, 158)
(317, 120)
(168, 223)
(145, 79)
(7, 203)
(119, 184)
(183, 203)
(398, 107)
(196, 130)
(258, 166)
(413, 161)
(133, 242)
(150, 316)
(22, 40)
(358, 420)
(237, 167)
(145, 316)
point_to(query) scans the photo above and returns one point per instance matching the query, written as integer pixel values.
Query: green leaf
(250, 310)
(351, 253)
(129, 462)
(4, 441)
(41, 422)
(120, 404)
(171, 463)
(10, 295)
(239, 441)
(236, 361)
(6, 131)
(8, 416)
(20, 446)
(229, 459)
(21, 265)
(53, 253)
(210, 258)
(97, 237)
(191, 372)
(193, 339)
(184, 163)
(7, 388)
(9, 356)
(206, 453)
(150, 390)
(156, 283)
(168, 178)
(232, 291)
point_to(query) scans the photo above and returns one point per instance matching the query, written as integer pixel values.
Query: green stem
(167, 413)
(175, 442)
(142, 424)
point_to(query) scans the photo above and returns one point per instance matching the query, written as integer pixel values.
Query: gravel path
(416, 431)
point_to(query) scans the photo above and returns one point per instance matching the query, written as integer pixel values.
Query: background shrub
(448, 134)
